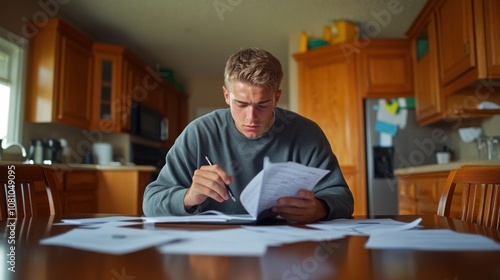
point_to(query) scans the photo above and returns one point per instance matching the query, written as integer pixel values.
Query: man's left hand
(305, 208)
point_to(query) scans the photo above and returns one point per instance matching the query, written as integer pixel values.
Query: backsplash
(79, 140)
(468, 151)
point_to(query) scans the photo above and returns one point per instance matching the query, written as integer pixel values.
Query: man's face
(252, 108)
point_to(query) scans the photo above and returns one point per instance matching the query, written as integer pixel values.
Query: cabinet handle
(466, 48)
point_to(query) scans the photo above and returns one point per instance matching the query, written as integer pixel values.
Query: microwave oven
(148, 123)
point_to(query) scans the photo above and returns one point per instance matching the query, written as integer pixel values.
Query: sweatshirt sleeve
(165, 195)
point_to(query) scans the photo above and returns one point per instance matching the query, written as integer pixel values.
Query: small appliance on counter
(53, 151)
(45, 151)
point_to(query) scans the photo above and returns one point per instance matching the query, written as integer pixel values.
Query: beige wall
(205, 94)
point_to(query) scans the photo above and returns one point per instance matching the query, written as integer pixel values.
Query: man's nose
(251, 112)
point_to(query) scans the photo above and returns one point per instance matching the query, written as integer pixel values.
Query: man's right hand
(208, 181)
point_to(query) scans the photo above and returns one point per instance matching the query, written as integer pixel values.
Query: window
(12, 68)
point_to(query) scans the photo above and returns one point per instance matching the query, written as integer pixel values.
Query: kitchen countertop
(98, 167)
(431, 168)
(103, 167)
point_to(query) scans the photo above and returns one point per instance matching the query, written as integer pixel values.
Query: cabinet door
(492, 31)
(407, 198)
(420, 193)
(455, 31)
(386, 69)
(428, 97)
(327, 95)
(74, 97)
(109, 104)
(80, 192)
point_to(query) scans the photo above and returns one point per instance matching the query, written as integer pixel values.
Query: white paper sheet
(227, 242)
(431, 240)
(207, 216)
(278, 180)
(302, 234)
(244, 241)
(101, 220)
(110, 240)
(365, 226)
(215, 248)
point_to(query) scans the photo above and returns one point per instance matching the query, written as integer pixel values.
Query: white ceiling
(195, 37)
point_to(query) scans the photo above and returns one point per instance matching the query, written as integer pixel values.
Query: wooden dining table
(345, 258)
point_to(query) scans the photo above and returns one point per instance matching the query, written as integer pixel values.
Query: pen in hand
(227, 187)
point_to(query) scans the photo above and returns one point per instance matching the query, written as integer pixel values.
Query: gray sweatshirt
(291, 138)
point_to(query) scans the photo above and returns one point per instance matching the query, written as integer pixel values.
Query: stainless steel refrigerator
(411, 145)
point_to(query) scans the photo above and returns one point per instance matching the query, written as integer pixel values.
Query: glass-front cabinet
(110, 110)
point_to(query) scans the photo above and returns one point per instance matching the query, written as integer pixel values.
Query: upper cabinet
(111, 109)
(428, 97)
(491, 9)
(455, 31)
(467, 42)
(385, 67)
(120, 79)
(59, 75)
(92, 85)
(455, 59)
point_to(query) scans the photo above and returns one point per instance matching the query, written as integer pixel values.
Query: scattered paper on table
(207, 216)
(365, 226)
(101, 220)
(111, 240)
(431, 240)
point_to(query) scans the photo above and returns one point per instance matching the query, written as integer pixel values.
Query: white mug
(443, 157)
(103, 153)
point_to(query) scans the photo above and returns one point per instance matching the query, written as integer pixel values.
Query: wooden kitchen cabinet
(111, 106)
(386, 69)
(419, 194)
(491, 9)
(59, 75)
(467, 33)
(121, 78)
(455, 30)
(121, 191)
(80, 192)
(454, 59)
(428, 96)
(333, 80)
(328, 95)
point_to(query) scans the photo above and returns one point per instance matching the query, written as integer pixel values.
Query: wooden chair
(480, 194)
(28, 190)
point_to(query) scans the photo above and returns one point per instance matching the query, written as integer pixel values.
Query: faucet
(23, 150)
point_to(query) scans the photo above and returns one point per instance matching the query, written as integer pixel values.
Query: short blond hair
(254, 66)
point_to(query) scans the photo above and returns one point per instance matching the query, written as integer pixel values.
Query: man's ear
(226, 94)
(277, 97)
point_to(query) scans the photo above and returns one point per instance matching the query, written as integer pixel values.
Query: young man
(236, 140)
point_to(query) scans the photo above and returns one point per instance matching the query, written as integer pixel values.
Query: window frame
(18, 50)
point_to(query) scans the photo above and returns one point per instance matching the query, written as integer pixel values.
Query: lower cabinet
(121, 192)
(79, 194)
(420, 193)
(98, 191)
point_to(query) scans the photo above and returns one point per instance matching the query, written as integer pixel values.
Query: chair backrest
(27, 188)
(480, 194)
